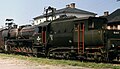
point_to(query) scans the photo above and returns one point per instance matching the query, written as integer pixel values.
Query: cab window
(91, 25)
(39, 29)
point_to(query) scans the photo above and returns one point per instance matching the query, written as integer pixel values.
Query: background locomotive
(66, 37)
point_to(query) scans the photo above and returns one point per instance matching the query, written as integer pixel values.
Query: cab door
(79, 37)
(44, 30)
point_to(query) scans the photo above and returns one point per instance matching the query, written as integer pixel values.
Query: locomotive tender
(70, 37)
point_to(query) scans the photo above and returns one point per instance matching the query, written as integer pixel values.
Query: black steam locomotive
(65, 37)
(70, 37)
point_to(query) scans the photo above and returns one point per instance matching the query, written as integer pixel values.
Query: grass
(60, 62)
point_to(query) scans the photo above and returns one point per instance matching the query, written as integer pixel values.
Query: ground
(13, 63)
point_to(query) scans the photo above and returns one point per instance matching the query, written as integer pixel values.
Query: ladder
(81, 42)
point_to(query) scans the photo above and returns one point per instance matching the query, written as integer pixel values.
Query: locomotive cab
(40, 38)
(41, 34)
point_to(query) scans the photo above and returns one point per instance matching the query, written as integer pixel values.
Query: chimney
(72, 5)
(67, 6)
(106, 13)
(15, 26)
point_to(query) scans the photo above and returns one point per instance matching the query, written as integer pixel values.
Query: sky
(23, 11)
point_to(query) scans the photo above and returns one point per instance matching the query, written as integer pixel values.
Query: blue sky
(22, 11)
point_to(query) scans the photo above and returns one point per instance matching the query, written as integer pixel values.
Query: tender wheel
(35, 52)
(7, 48)
(97, 58)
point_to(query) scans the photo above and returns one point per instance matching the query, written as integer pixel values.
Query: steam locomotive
(65, 37)
(70, 37)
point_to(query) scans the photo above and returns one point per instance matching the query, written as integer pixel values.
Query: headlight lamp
(112, 45)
